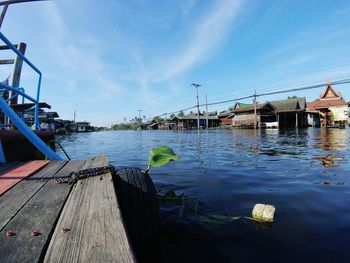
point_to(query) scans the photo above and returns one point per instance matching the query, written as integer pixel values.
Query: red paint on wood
(12, 177)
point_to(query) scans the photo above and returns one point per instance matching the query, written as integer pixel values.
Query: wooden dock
(44, 221)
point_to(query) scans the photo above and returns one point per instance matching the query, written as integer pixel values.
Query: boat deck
(42, 220)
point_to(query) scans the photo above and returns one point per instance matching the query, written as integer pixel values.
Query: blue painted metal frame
(2, 155)
(16, 120)
(14, 49)
(16, 95)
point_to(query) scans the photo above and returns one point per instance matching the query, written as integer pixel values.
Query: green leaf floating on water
(160, 156)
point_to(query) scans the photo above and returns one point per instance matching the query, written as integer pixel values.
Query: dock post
(17, 71)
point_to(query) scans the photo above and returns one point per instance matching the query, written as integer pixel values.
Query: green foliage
(181, 114)
(292, 97)
(160, 156)
(132, 125)
(136, 120)
(157, 119)
(123, 126)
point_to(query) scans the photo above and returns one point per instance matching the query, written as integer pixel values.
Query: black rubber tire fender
(139, 206)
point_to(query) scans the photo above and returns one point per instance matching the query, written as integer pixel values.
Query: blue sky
(107, 59)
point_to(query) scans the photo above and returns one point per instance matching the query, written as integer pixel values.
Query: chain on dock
(82, 174)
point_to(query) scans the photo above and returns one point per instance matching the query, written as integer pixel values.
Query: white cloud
(205, 39)
(79, 59)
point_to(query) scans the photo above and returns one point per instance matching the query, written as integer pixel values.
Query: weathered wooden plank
(39, 214)
(97, 232)
(12, 177)
(14, 199)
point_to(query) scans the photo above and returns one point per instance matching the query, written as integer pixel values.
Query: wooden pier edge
(96, 229)
(54, 222)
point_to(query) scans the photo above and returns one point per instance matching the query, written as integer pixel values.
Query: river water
(222, 174)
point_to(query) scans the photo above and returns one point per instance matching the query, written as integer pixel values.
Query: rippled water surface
(304, 174)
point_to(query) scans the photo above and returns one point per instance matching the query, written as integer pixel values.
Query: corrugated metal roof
(251, 108)
(289, 104)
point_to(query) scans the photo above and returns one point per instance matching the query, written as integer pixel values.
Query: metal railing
(14, 117)
(20, 91)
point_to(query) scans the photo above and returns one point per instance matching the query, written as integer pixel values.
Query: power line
(319, 85)
(258, 87)
(339, 82)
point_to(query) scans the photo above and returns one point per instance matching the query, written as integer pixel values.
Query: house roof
(251, 108)
(330, 93)
(297, 104)
(330, 97)
(82, 123)
(322, 104)
(224, 114)
(242, 105)
(26, 106)
(193, 116)
(212, 113)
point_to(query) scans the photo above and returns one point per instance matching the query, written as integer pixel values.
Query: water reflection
(333, 139)
(330, 161)
(303, 173)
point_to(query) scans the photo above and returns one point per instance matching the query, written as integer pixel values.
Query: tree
(181, 114)
(230, 109)
(157, 119)
(172, 116)
(292, 97)
(136, 120)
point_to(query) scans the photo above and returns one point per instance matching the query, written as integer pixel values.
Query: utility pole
(75, 112)
(206, 110)
(255, 110)
(139, 113)
(198, 117)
